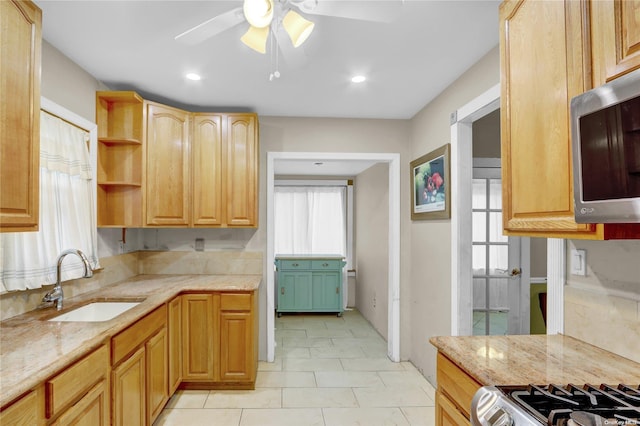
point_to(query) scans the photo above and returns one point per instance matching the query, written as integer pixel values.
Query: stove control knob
(501, 417)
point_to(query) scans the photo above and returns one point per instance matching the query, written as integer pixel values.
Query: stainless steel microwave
(605, 135)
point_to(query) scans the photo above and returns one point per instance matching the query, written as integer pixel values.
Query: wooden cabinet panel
(156, 374)
(129, 391)
(207, 170)
(455, 383)
(241, 170)
(68, 386)
(615, 26)
(25, 411)
(447, 414)
(174, 327)
(137, 334)
(325, 291)
(236, 346)
(21, 26)
(91, 410)
(167, 169)
(198, 333)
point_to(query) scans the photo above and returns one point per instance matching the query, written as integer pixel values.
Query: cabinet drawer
(295, 264)
(126, 341)
(235, 302)
(321, 265)
(72, 383)
(455, 383)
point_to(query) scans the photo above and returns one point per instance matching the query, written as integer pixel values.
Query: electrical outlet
(374, 300)
(199, 244)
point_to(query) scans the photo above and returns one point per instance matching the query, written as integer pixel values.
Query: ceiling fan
(282, 20)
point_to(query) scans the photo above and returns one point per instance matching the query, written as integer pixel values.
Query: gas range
(554, 405)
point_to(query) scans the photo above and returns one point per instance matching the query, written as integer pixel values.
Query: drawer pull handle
(325, 264)
(337, 290)
(281, 290)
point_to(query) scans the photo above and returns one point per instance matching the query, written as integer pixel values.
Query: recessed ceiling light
(193, 76)
(358, 78)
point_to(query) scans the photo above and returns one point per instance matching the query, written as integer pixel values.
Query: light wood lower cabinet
(91, 410)
(140, 370)
(26, 411)
(174, 339)
(219, 340)
(454, 394)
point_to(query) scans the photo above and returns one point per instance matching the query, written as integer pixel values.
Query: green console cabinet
(309, 283)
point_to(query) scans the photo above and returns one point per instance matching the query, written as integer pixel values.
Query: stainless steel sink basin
(96, 312)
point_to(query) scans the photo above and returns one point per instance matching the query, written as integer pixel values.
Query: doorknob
(515, 272)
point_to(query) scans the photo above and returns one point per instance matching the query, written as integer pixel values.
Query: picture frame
(431, 185)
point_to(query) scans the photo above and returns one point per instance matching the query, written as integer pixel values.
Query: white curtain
(310, 220)
(67, 213)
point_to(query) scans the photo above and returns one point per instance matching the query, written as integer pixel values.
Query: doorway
(393, 160)
(461, 224)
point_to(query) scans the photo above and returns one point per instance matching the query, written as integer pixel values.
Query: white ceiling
(343, 168)
(129, 45)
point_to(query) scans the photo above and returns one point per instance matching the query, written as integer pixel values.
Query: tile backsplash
(120, 267)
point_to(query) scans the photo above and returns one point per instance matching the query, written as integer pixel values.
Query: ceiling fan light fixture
(259, 13)
(256, 39)
(297, 27)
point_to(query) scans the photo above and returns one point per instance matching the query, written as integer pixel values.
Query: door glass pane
(495, 194)
(479, 227)
(499, 293)
(498, 259)
(495, 228)
(479, 194)
(479, 293)
(479, 323)
(498, 323)
(479, 260)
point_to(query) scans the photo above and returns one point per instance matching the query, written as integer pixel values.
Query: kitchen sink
(96, 312)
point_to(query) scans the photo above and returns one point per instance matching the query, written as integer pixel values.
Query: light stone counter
(32, 349)
(536, 359)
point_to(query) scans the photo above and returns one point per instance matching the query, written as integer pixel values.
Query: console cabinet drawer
(72, 383)
(295, 264)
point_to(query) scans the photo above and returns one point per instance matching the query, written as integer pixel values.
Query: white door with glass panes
(500, 295)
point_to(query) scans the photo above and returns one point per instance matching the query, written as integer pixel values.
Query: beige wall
(430, 252)
(371, 218)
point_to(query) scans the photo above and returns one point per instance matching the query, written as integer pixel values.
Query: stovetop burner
(604, 405)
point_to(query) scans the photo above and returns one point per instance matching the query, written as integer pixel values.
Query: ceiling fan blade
(212, 27)
(375, 11)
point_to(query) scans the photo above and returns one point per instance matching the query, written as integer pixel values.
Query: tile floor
(328, 371)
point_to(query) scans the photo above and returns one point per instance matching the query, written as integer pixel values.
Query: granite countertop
(536, 359)
(32, 349)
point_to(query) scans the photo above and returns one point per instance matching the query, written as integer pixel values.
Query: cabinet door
(129, 394)
(157, 374)
(167, 189)
(175, 343)
(91, 410)
(208, 193)
(542, 68)
(236, 346)
(295, 291)
(21, 24)
(326, 293)
(241, 170)
(198, 336)
(447, 414)
(615, 38)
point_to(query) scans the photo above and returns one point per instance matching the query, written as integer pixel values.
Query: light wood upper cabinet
(241, 174)
(615, 27)
(544, 55)
(207, 170)
(168, 170)
(21, 26)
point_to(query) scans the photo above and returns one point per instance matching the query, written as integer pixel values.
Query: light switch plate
(579, 262)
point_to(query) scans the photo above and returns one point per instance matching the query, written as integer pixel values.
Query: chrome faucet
(55, 295)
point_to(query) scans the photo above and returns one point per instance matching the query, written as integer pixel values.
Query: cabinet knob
(295, 264)
(337, 290)
(325, 264)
